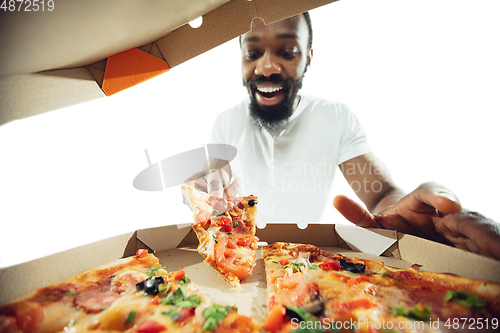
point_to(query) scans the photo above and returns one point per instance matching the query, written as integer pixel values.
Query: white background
(422, 76)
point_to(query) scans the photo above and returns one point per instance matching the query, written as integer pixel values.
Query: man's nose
(267, 65)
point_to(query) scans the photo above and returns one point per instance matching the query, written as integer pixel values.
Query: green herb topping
(152, 270)
(214, 314)
(130, 317)
(172, 313)
(385, 274)
(294, 265)
(465, 298)
(309, 265)
(415, 313)
(179, 298)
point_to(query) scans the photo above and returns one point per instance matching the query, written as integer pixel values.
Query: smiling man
(290, 145)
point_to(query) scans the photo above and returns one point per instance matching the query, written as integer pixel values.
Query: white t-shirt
(292, 171)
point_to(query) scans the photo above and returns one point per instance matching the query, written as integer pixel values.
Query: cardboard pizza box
(72, 52)
(175, 246)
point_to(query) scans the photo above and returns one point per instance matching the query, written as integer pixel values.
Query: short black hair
(309, 30)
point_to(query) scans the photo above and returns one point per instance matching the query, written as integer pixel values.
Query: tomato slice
(227, 223)
(150, 326)
(176, 275)
(141, 253)
(230, 256)
(346, 307)
(186, 313)
(292, 289)
(330, 265)
(362, 278)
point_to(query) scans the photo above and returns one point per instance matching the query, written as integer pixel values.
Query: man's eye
(251, 55)
(289, 54)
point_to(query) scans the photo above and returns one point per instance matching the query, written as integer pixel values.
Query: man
(289, 146)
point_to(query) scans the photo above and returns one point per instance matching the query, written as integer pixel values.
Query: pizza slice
(308, 287)
(225, 228)
(134, 294)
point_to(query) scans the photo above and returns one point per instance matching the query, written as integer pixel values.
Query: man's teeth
(268, 90)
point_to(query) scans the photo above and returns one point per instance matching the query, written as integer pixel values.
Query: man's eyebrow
(287, 36)
(251, 39)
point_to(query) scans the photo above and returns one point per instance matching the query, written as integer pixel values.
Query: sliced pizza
(225, 228)
(309, 287)
(134, 294)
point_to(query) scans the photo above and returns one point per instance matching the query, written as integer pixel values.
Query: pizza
(134, 294)
(308, 288)
(225, 228)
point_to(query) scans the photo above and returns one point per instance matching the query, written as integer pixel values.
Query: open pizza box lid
(175, 246)
(72, 52)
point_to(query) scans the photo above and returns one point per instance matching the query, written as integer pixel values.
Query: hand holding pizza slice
(225, 228)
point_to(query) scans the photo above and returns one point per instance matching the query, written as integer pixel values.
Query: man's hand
(215, 182)
(433, 212)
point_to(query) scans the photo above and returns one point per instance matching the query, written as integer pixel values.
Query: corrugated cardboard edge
(31, 275)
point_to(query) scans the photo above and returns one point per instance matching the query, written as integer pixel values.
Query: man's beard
(273, 117)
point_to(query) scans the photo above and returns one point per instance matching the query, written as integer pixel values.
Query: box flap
(163, 238)
(372, 241)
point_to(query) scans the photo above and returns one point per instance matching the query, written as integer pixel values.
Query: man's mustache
(274, 78)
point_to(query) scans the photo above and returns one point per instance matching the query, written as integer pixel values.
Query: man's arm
(370, 180)
(430, 211)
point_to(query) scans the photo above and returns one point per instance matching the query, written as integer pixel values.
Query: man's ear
(309, 58)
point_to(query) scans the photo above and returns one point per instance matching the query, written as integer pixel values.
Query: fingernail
(448, 196)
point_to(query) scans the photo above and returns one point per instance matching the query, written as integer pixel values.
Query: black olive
(140, 285)
(252, 202)
(352, 267)
(150, 285)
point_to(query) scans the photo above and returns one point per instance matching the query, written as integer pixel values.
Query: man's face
(274, 60)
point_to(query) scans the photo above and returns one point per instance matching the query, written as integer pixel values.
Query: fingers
(215, 183)
(354, 212)
(438, 197)
(473, 232)
(232, 189)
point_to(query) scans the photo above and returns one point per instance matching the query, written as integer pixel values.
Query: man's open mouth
(269, 95)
